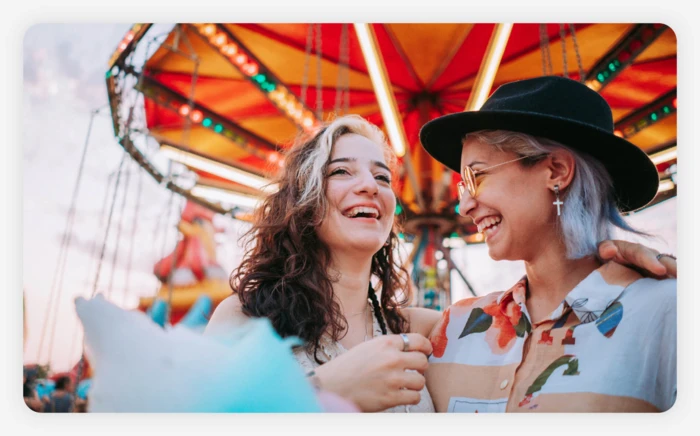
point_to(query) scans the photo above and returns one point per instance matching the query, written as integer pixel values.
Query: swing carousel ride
(223, 102)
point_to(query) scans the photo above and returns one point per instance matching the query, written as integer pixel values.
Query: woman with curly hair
(314, 248)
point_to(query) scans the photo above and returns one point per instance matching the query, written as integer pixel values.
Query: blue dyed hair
(590, 212)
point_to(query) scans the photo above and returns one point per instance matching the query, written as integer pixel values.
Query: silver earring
(557, 203)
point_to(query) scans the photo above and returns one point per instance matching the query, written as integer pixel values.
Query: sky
(63, 84)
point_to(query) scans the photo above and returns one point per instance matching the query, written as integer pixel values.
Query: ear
(561, 166)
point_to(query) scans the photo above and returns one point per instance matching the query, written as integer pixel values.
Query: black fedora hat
(559, 109)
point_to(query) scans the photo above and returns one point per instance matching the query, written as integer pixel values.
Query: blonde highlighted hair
(310, 173)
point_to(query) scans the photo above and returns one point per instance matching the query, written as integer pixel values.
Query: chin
(497, 252)
(366, 242)
(493, 254)
(369, 246)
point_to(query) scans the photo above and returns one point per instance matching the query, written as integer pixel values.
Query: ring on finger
(660, 255)
(406, 342)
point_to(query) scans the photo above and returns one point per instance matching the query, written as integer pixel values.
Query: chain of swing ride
(314, 43)
(56, 288)
(547, 68)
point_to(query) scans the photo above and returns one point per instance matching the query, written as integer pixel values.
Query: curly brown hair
(284, 275)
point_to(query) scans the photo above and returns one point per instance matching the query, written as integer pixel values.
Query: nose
(466, 204)
(366, 184)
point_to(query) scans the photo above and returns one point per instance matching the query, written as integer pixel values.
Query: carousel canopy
(227, 99)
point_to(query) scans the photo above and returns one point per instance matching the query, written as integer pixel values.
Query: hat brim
(634, 175)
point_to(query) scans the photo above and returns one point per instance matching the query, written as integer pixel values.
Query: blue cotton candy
(141, 367)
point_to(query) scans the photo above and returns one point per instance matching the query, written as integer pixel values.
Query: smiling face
(361, 203)
(512, 206)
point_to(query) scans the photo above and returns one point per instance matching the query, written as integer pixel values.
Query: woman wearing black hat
(545, 180)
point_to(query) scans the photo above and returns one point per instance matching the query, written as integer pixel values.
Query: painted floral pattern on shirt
(501, 320)
(610, 346)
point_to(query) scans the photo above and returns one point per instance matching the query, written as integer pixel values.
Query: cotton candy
(142, 367)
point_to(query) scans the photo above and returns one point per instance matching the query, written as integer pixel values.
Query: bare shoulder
(421, 320)
(227, 314)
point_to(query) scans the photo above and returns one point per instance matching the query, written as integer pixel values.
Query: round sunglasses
(469, 177)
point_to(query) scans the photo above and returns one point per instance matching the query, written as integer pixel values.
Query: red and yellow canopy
(254, 87)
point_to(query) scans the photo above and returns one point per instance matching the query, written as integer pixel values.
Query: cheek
(328, 229)
(501, 194)
(528, 209)
(334, 194)
(389, 204)
(390, 201)
(514, 197)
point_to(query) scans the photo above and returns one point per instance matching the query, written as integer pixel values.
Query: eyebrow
(352, 159)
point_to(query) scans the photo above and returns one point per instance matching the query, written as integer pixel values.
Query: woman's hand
(374, 375)
(638, 256)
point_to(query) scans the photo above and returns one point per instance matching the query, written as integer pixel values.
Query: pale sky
(64, 67)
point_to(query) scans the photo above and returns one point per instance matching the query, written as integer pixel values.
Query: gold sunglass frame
(469, 177)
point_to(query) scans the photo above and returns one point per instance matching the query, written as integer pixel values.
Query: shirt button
(504, 383)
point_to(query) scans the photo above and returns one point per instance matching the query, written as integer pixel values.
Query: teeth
(490, 230)
(488, 222)
(361, 209)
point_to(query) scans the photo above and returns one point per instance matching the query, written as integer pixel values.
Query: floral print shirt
(610, 346)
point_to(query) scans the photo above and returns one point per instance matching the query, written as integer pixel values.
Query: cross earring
(557, 203)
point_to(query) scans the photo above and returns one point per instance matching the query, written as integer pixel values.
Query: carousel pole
(444, 296)
(418, 263)
(452, 267)
(409, 262)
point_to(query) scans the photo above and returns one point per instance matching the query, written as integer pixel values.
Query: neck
(551, 276)
(353, 274)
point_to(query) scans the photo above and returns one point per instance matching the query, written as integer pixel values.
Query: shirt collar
(588, 299)
(517, 293)
(599, 290)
